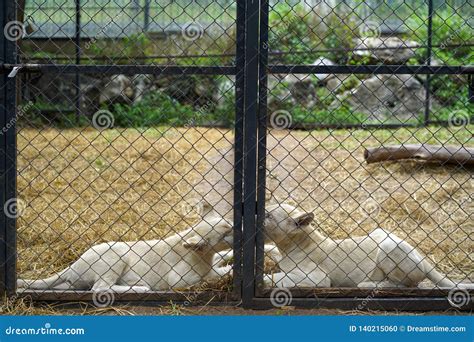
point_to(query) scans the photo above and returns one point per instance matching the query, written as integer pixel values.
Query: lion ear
(195, 242)
(304, 219)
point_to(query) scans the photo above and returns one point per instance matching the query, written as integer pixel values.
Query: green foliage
(292, 30)
(460, 110)
(449, 28)
(340, 35)
(35, 115)
(154, 109)
(161, 109)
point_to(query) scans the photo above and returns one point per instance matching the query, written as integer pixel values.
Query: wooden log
(459, 155)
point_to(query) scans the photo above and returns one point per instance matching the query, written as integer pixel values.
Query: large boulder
(142, 85)
(117, 89)
(382, 96)
(291, 90)
(389, 50)
(225, 91)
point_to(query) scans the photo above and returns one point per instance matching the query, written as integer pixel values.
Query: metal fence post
(429, 54)
(8, 199)
(77, 81)
(262, 140)
(146, 14)
(238, 147)
(252, 16)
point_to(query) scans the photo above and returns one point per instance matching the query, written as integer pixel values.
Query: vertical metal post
(146, 13)
(8, 53)
(262, 141)
(77, 81)
(238, 147)
(252, 14)
(429, 54)
(470, 81)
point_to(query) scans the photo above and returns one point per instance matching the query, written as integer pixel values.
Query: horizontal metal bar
(370, 69)
(231, 70)
(375, 48)
(121, 58)
(121, 69)
(223, 55)
(362, 304)
(191, 297)
(316, 126)
(351, 292)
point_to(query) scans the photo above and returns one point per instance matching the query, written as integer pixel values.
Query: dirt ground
(80, 188)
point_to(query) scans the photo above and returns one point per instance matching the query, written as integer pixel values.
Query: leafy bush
(153, 109)
(449, 28)
(158, 108)
(292, 29)
(298, 33)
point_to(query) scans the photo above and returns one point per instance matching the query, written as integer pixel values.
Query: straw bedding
(83, 187)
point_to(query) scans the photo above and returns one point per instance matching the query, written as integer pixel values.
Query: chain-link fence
(274, 152)
(368, 213)
(116, 181)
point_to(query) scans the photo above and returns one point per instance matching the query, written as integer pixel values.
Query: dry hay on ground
(85, 187)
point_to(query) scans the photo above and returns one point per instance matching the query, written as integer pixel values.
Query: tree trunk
(441, 154)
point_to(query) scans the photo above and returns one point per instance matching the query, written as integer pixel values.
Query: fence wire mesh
(125, 156)
(130, 128)
(368, 209)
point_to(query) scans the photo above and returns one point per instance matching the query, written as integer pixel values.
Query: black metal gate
(13, 68)
(265, 124)
(253, 143)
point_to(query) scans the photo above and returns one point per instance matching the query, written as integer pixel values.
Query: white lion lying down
(179, 261)
(309, 259)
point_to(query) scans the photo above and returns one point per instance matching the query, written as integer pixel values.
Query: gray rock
(224, 90)
(323, 61)
(390, 50)
(382, 96)
(118, 88)
(141, 86)
(339, 82)
(291, 90)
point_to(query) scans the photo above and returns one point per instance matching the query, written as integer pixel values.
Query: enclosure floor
(81, 188)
